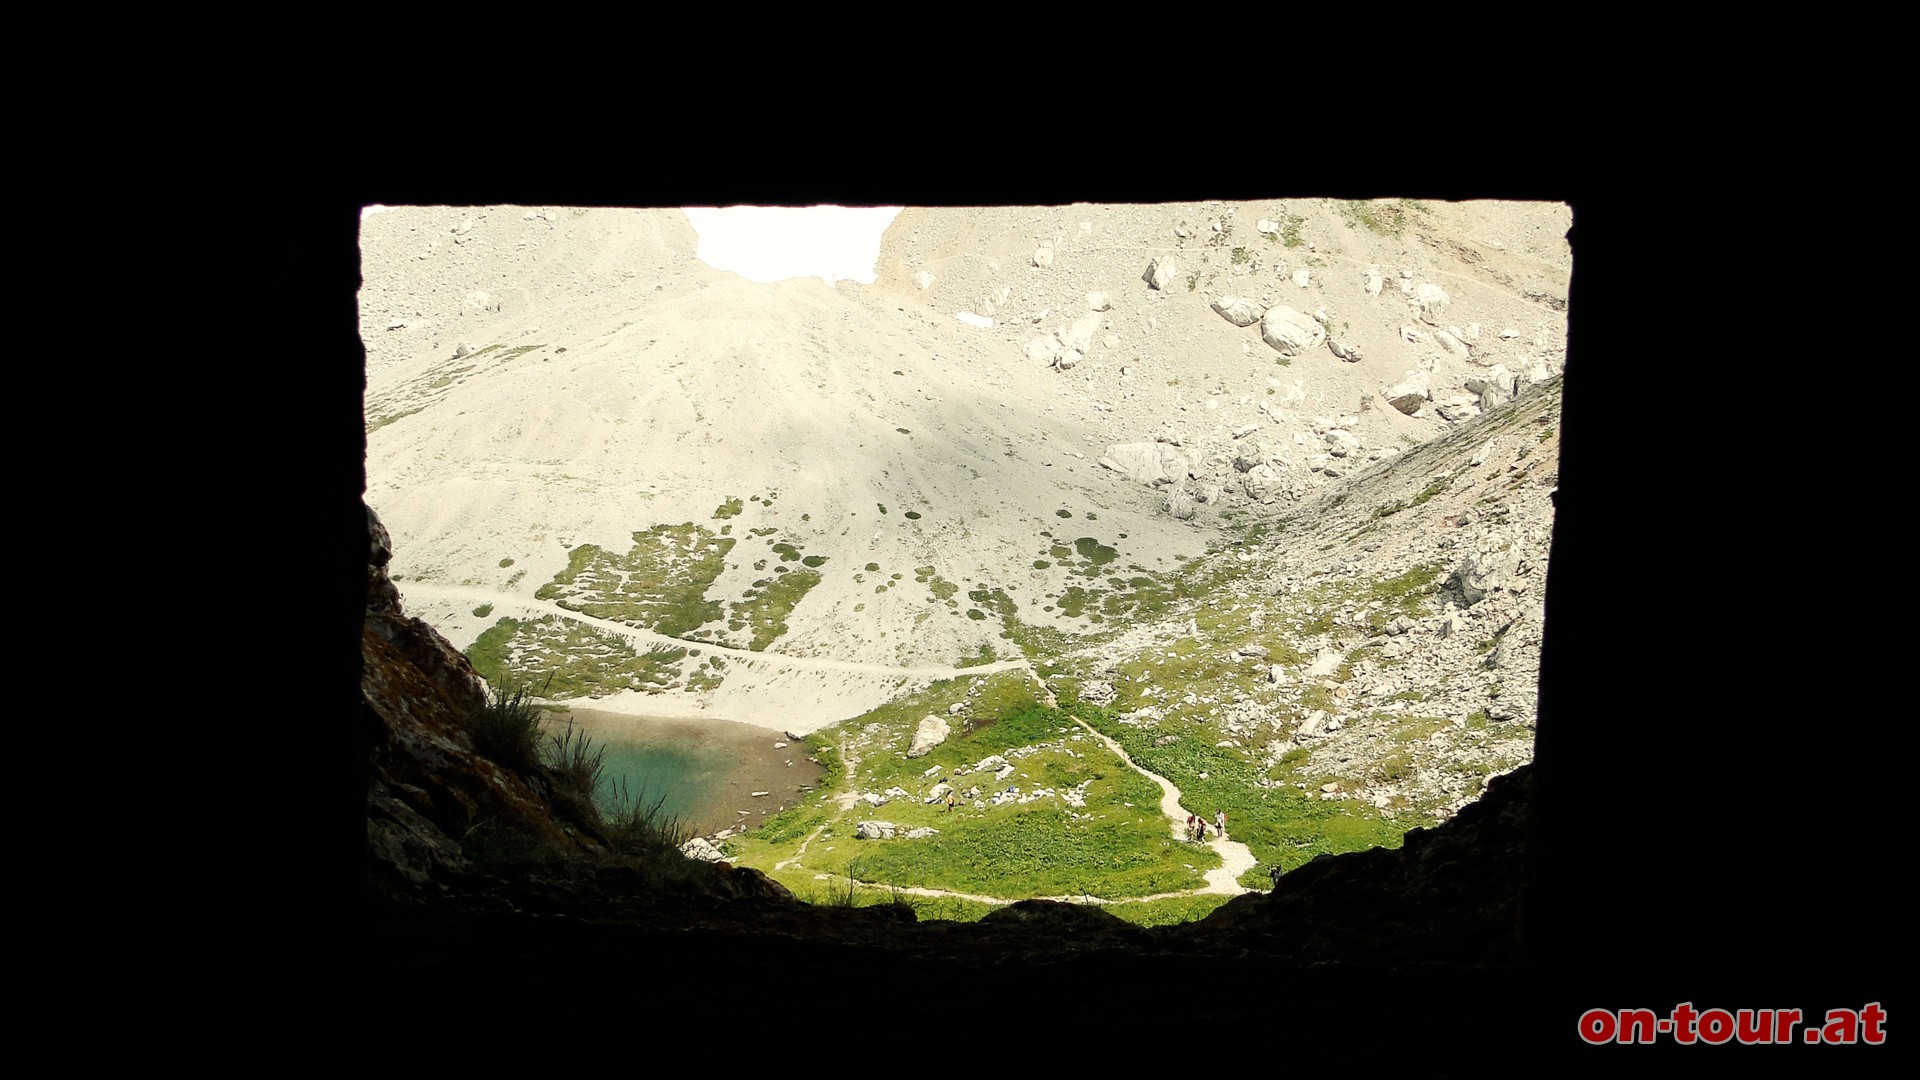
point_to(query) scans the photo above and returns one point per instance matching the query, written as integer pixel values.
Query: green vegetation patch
(1388, 217)
(1095, 552)
(1041, 850)
(941, 588)
(1115, 845)
(765, 606)
(569, 659)
(730, 508)
(660, 583)
(1171, 911)
(1282, 825)
(985, 655)
(708, 676)
(1290, 230)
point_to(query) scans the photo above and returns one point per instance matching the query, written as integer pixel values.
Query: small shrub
(576, 763)
(507, 728)
(638, 825)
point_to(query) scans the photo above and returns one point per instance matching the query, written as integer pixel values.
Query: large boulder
(1239, 310)
(1079, 336)
(1150, 463)
(933, 731)
(1291, 332)
(1410, 393)
(1263, 483)
(1066, 347)
(1161, 273)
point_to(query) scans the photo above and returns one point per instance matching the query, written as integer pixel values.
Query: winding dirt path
(521, 607)
(1235, 857)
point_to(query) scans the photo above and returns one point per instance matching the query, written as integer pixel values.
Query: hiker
(1220, 822)
(949, 802)
(1191, 820)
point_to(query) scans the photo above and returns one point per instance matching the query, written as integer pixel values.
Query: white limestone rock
(1150, 463)
(1161, 273)
(1239, 310)
(1409, 394)
(1289, 332)
(1263, 483)
(933, 731)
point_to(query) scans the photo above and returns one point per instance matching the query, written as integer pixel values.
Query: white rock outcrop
(1291, 332)
(1410, 393)
(1151, 463)
(933, 731)
(1161, 273)
(1239, 310)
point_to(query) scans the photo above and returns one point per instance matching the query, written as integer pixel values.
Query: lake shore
(734, 760)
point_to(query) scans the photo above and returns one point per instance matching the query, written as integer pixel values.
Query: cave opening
(1074, 598)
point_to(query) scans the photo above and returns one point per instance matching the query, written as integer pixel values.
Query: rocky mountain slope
(1309, 441)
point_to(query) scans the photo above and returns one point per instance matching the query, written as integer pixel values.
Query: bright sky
(773, 243)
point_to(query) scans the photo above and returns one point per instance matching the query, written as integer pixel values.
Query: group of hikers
(1197, 826)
